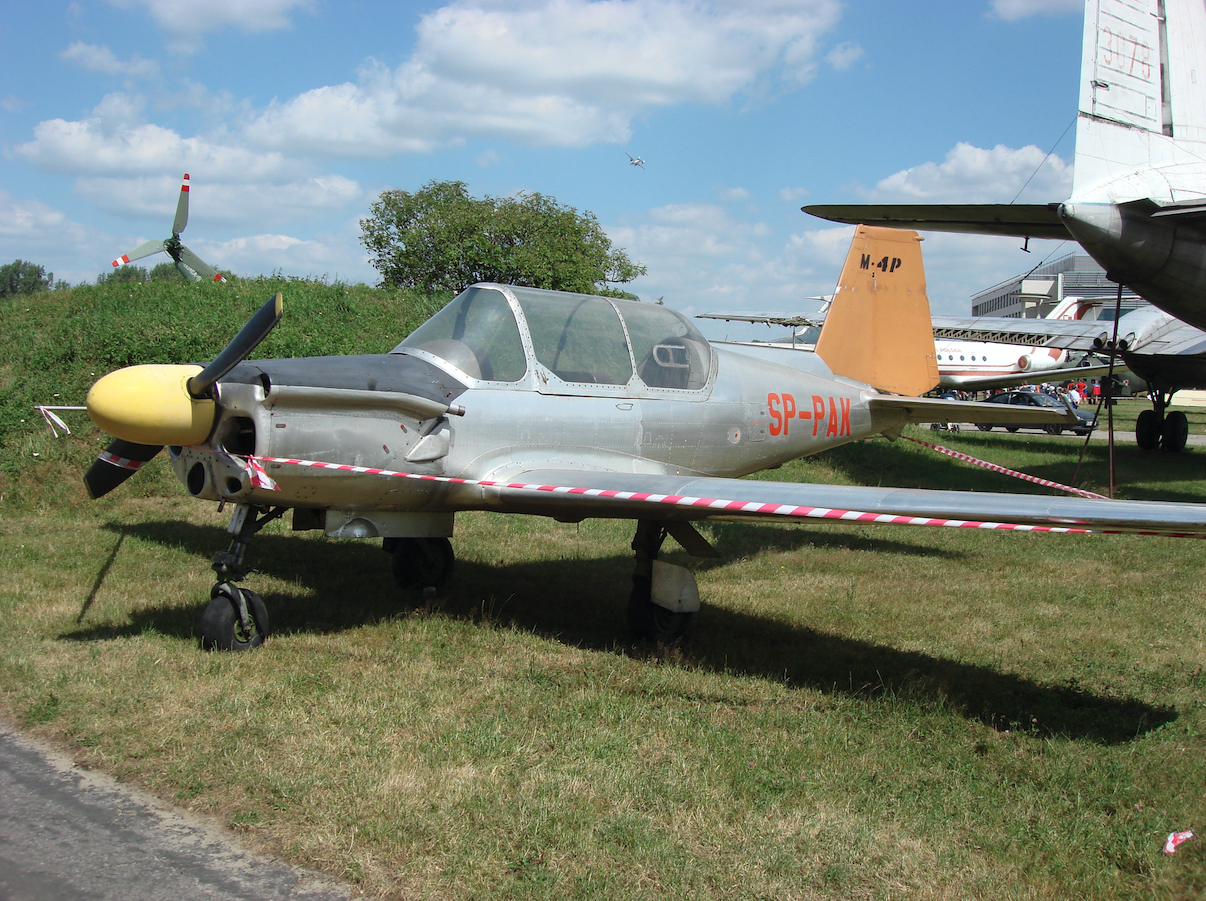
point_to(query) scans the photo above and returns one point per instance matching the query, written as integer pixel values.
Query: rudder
(878, 329)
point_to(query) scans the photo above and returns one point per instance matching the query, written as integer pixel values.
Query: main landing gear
(664, 597)
(1155, 428)
(236, 619)
(420, 562)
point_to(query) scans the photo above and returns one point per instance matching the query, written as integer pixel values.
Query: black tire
(1053, 429)
(1012, 428)
(423, 562)
(1148, 430)
(649, 622)
(984, 426)
(220, 628)
(1175, 432)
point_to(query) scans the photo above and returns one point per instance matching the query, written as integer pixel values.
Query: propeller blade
(202, 269)
(142, 250)
(120, 460)
(250, 335)
(181, 219)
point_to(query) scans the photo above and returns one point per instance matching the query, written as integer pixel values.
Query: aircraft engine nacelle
(1037, 362)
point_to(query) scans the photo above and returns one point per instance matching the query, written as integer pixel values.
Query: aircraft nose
(151, 405)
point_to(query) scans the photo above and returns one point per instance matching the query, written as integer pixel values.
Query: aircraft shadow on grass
(869, 462)
(346, 585)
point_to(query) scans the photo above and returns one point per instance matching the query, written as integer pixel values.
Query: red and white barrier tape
(785, 510)
(1009, 472)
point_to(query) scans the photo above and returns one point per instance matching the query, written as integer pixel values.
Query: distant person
(1074, 395)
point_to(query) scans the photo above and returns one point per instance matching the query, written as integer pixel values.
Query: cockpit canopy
(501, 333)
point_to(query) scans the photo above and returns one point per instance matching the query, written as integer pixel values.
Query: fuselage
(683, 407)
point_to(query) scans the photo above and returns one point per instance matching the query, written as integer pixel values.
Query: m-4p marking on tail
(887, 264)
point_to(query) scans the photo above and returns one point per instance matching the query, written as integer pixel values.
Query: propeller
(190, 265)
(147, 407)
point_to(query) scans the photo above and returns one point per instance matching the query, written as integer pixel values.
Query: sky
(292, 116)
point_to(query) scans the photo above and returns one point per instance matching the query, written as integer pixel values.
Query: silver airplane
(635, 160)
(570, 406)
(1138, 203)
(187, 263)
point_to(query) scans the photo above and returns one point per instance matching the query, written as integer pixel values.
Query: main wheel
(1012, 428)
(1148, 430)
(1175, 432)
(220, 626)
(984, 426)
(423, 562)
(649, 622)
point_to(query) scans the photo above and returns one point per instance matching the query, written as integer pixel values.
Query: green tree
(21, 277)
(440, 239)
(122, 274)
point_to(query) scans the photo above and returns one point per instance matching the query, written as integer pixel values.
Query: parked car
(1037, 399)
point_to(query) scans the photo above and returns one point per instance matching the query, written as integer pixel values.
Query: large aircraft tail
(1142, 101)
(878, 329)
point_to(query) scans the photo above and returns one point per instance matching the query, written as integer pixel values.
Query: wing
(790, 320)
(571, 495)
(1069, 334)
(1060, 374)
(1020, 220)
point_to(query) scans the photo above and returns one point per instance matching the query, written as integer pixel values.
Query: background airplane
(963, 362)
(188, 263)
(1163, 351)
(635, 160)
(1138, 202)
(572, 406)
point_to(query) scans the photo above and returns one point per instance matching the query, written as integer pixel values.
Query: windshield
(476, 333)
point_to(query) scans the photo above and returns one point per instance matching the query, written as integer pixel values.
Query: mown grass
(860, 712)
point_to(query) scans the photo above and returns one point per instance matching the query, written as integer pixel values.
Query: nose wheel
(234, 620)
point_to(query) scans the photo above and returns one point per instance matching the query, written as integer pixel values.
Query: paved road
(73, 835)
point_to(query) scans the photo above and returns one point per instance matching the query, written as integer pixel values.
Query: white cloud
(971, 174)
(217, 203)
(844, 55)
(1012, 10)
(34, 231)
(112, 143)
(188, 17)
(552, 73)
(96, 58)
(733, 195)
(792, 195)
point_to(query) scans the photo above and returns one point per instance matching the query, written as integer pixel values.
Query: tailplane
(878, 329)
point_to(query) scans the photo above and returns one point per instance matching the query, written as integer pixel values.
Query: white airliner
(962, 363)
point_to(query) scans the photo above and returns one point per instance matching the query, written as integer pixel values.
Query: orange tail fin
(878, 329)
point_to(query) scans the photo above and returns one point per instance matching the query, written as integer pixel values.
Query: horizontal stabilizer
(1019, 220)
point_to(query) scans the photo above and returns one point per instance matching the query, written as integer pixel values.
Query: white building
(1035, 294)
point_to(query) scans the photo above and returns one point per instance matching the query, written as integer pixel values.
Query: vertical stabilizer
(878, 329)
(1142, 99)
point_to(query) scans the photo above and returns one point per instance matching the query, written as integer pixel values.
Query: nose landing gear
(235, 618)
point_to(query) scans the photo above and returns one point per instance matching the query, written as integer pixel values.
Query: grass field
(866, 712)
